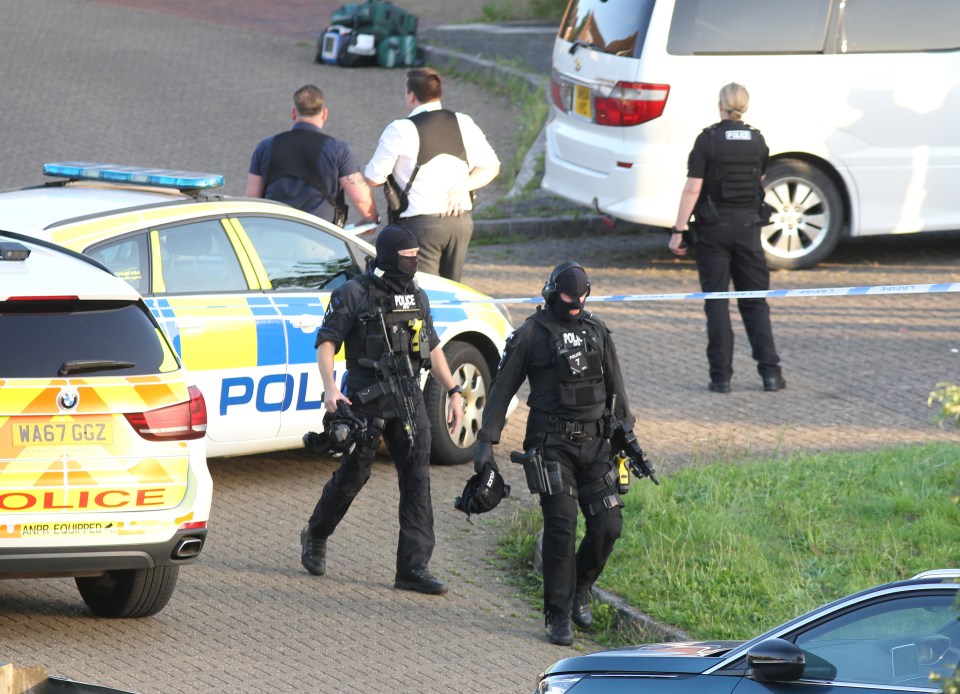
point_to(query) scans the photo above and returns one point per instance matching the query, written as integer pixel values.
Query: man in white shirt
(436, 158)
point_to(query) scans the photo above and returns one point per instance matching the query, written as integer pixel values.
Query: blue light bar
(137, 175)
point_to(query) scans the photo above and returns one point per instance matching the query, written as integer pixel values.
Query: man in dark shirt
(306, 168)
(569, 358)
(383, 301)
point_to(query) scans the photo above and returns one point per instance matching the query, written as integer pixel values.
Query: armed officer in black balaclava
(385, 299)
(570, 360)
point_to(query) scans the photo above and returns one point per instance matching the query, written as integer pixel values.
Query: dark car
(890, 638)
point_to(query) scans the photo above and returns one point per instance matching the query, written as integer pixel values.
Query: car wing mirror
(776, 660)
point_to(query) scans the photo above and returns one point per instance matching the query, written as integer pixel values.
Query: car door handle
(189, 322)
(307, 322)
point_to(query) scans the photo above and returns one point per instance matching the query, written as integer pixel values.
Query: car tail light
(631, 103)
(192, 525)
(556, 93)
(180, 422)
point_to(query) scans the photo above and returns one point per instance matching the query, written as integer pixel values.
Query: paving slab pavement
(94, 79)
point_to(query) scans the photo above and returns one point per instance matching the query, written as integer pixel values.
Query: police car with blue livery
(240, 286)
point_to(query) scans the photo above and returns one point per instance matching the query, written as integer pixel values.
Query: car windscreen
(57, 338)
(617, 27)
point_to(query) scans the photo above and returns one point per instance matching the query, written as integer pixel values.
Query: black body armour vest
(439, 133)
(295, 153)
(403, 316)
(575, 380)
(733, 174)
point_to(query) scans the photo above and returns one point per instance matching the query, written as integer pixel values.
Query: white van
(857, 100)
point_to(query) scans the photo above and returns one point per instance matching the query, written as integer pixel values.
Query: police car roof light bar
(136, 175)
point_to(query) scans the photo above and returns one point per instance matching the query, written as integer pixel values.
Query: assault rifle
(625, 443)
(395, 376)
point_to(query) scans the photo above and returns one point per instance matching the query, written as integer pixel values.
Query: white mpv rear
(857, 100)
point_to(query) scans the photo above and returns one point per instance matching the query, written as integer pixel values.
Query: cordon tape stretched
(888, 289)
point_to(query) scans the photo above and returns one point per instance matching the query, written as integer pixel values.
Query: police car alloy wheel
(472, 373)
(808, 215)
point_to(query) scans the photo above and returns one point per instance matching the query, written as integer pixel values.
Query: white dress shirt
(397, 154)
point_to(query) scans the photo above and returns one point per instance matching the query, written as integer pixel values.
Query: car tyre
(807, 220)
(471, 371)
(129, 592)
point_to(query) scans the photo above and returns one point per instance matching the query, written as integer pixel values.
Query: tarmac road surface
(112, 81)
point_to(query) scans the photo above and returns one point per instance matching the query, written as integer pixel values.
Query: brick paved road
(97, 81)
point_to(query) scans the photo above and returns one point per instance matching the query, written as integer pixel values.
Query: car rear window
(618, 27)
(51, 334)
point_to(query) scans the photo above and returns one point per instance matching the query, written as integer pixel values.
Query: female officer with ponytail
(725, 193)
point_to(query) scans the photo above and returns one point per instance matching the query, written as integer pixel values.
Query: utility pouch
(766, 213)
(396, 198)
(706, 210)
(543, 476)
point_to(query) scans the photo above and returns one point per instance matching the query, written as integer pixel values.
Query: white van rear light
(556, 93)
(181, 422)
(631, 103)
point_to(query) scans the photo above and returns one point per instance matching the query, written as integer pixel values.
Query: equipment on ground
(375, 32)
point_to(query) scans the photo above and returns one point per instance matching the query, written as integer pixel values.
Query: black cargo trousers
(566, 567)
(728, 251)
(416, 540)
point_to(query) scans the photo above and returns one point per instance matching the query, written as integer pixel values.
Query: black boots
(420, 580)
(774, 383)
(582, 614)
(559, 631)
(313, 553)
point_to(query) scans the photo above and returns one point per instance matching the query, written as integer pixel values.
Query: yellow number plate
(581, 101)
(88, 432)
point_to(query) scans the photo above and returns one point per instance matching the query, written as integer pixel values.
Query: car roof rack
(184, 181)
(943, 574)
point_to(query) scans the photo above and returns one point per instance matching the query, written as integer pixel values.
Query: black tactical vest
(576, 376)
(403, 316)
(296, 153)
(439, 133)
(734, 168)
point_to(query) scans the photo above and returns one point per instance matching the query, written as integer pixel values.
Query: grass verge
(728, 550)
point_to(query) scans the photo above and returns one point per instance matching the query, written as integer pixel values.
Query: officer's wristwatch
(455, 389)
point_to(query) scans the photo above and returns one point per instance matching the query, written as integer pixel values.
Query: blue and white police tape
(888, 289)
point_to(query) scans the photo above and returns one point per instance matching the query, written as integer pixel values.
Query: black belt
(574, 430)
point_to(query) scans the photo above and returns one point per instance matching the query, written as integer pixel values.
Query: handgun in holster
(543, 476)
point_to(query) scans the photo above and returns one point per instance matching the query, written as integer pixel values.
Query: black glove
(484, 456)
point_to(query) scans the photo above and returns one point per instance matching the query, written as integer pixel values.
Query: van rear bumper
(640, 184)
(93, 560)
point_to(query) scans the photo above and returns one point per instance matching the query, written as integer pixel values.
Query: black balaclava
(572, 282)
(397, 270)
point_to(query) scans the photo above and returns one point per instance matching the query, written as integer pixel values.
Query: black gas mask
(342, 432)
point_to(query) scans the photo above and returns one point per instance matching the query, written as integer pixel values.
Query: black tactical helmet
(483, 492)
